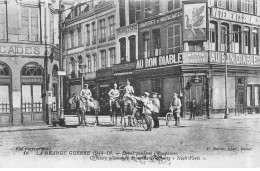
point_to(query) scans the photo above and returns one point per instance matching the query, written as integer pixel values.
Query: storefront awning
(123, 73)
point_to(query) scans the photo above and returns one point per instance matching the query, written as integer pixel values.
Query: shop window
(246, 35)
(111, 28)
(2, 21)
(4, 99)
(102, 31)
(132, 41)
(224, 37)
(174, 39)
(236, 43)
(32, 70)
(122, 12)
(233, 5)
(249, 96)
(146, 44)
(103, 58)
(122, 49)
(255, 41)
(93, 33)
(257, 95)
(156, 42)
(212, 36)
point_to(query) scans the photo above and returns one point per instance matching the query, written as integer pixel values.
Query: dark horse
(81, 106)
(116, 109)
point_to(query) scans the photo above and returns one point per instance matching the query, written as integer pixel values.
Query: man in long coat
(176, 108)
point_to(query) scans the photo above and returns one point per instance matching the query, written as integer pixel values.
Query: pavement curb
(10, 129)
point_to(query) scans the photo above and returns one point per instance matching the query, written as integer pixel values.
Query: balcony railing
(101, 40)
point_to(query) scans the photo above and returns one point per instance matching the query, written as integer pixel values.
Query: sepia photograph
(129, 83)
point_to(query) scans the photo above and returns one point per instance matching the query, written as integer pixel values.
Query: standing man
(192, 109)
(147, 110)
(113, 95)
(156, 110)
(176, 108)
(86, 93)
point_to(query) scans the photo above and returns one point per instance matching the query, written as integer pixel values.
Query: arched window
(32, 69)
(4, 70)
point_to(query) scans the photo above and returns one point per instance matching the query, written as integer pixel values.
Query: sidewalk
(28, 128)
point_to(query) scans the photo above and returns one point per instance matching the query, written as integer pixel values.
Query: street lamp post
(226, 74)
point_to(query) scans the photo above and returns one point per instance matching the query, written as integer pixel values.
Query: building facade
(28, 61)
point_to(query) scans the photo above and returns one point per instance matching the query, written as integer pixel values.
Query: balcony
(103, 39)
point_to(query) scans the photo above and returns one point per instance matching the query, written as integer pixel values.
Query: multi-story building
(182, 48)
(28, 61)
(90, 45)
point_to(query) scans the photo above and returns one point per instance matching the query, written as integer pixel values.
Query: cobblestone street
(209, 141)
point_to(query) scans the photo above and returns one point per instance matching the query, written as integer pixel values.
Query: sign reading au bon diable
(234, 59)
(158, 61)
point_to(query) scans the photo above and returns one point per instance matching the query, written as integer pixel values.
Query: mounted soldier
(113, 95)
(87, 95)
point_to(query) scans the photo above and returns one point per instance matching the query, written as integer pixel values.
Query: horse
(115, 110)
(81, 105)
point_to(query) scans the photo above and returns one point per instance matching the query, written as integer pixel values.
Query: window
(195, 46)
(72, 38)
(156, 42)
(131, 12)
(236, 40)
(102, 31)
(257, 95)
(246, 40)
(112, 56)
(157, 5)
(122, 12)
(52, 28)
(103, 58)
(79, 37)
(2, 21)
(32, 69)
(244, 6)
(87, 35)
(93, 33)
(173, 4)
(222, 3)
(4, 71)
(88, 64)
(147, 8)
(251, 7)
(94, 62)
(138, 10)
(249, 95)
(224, 37)
(29, 31)
(174, 39)
(122, 49)
(233, 5)
(72, 67)
(255, 7)
(111, 28)
(211, 3)
(212, 37)
(146, 44)
(255, 41)
(132, 41)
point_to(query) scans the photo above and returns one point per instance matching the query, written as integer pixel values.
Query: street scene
(161, 83)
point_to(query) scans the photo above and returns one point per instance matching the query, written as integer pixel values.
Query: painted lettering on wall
(164, 60)
(235, 59)
(22, 49)
(195, 57)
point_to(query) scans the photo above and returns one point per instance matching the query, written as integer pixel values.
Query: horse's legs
(79, 117)
(84, 117)
(96, 114)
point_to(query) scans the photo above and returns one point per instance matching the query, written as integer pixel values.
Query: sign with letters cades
(163, 60)
(22, 49)
(234, 59)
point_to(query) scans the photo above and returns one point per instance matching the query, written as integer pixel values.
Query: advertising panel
(195, 22)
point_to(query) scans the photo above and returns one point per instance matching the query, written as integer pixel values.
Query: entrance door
(32, 109)
(240, 100)
(197, 93)
(5, 111)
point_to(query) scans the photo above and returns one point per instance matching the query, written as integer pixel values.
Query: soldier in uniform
(128, 90)
(86, 93)
(192, 109)
(147, 110)
(176, 108)
(156, 110)
(113, 94)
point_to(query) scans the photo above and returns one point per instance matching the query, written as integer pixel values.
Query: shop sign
(234, 16)
(126, 29)
(234, 59)
(22, 49)
(195, 21)
(124, 66)
(105, 72)
(164, 60)
(195, 57)
(160, 20)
